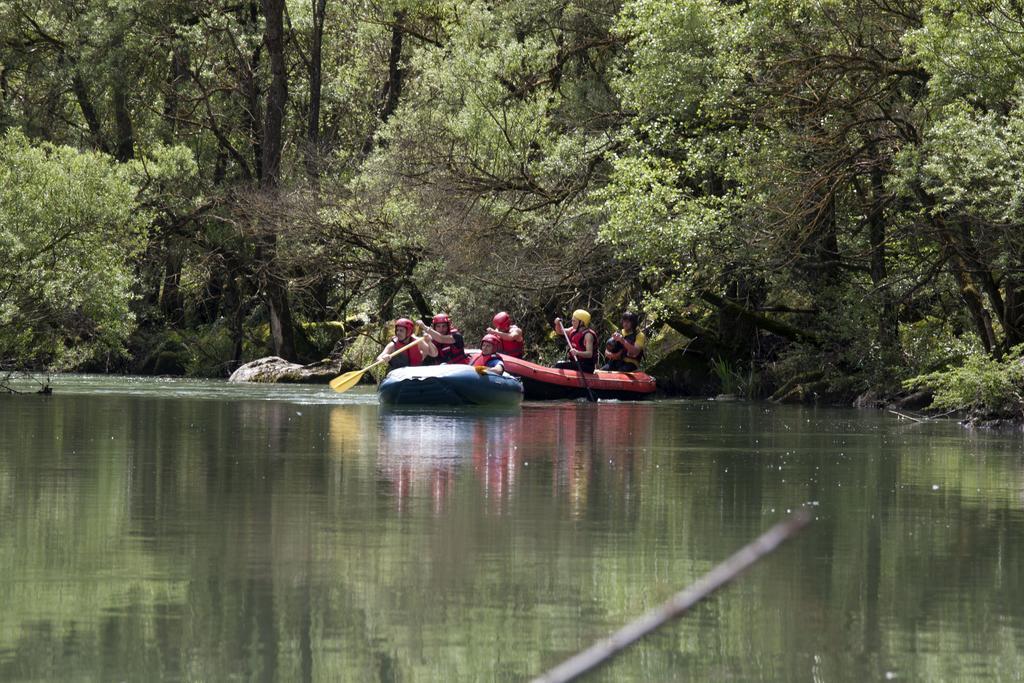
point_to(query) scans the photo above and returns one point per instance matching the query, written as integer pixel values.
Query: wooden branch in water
(909, 417)
(793, 382)
(778, 327)
(603, 650)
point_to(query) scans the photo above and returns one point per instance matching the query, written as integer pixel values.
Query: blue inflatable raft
(449, 385)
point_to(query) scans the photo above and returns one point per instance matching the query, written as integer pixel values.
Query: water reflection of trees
(209, 540)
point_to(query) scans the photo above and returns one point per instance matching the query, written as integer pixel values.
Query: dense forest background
(803, 199)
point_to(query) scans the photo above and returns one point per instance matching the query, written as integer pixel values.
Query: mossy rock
(170, 356)
(685, 373)
(324, 337)
(212, 352)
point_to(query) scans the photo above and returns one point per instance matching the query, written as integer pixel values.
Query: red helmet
(441, 318)
(406, 323)
(502, 321)
(492, 340)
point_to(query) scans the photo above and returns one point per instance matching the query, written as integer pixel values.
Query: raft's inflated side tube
(448, 385)
(543, 383)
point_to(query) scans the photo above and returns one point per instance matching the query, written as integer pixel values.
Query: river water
(178, 530)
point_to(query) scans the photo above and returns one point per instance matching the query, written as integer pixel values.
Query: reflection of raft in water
(541, 383)
(448, 385)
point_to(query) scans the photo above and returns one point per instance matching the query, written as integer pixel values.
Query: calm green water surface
(154, 529)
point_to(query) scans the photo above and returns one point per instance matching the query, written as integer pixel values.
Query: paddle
(579, 368)
(343, 383)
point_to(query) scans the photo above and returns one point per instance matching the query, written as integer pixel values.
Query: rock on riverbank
(273, 369)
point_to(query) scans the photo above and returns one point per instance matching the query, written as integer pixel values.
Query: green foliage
(842, 169)
(932, 344)
(735, 380)
(69, 229)
(985, 386)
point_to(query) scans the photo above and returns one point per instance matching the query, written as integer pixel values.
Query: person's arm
(435, 335)
(427, 346)
(634, 350)
(513, 334)
(558, 326)
(588, 347)
(428, 330)
(498, 369)
(388, 350)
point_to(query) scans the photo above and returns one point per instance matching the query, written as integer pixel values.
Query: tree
(69, 229)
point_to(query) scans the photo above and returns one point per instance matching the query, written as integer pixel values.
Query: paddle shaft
(579, 368)
(414, 342)
(346, 381)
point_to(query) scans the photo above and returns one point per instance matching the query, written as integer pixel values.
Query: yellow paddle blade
(343, 383)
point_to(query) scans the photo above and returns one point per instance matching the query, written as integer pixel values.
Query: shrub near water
(982, 385)
(69, 227)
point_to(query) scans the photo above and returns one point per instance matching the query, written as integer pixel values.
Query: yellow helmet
(581, 315)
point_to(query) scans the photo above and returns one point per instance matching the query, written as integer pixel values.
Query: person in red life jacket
(488, 359)
(510, 335)
(416, 355)
(582, 343)
(450, 346)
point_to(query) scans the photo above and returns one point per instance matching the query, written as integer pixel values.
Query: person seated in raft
(488, 359)
(632, 340)
(413, 356)
(614, 352)
(582, 343)
(509, 333)
(450, 346)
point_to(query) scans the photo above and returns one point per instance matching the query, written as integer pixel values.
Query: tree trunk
(172, 303)
(393, 88)
(92, 120)
(775, 326)
(972, 298)
(233, 306)
(250, 87)
(1012, 333)
(275, 286)
(177, 74)
(418, 300)
(277, 93)
(315, 88)
(213, 294)
(888, 323)
(961, 271)
(124, 131)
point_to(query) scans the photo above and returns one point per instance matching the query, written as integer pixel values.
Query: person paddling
(450, 346)
(510, 334)
(582, 343)
(625, 349)
(488, 359)
(411, 357)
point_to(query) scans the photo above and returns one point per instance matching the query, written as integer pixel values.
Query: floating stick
(603, 650)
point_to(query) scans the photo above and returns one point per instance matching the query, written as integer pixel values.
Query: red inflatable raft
(543, 383)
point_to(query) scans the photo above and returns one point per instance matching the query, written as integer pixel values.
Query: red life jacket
(512, 348)
(452, 353)
(578, 339)
(410, 358)
(480, 360)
